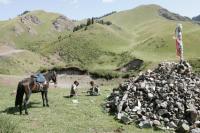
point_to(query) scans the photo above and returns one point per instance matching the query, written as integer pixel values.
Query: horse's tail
(20, 94)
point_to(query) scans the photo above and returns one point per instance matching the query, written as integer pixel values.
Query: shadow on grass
(14, 110)
(34, 105)
(67, 97)
(10, 110)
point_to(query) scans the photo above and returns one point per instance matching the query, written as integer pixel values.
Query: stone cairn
(167, 98)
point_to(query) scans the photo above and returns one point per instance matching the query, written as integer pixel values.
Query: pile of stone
(166, 98)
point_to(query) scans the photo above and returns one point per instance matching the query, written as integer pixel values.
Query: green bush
(7, 126)
(127, 75)
(107, 74)
(43, 69)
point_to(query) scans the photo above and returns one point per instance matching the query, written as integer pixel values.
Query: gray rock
(150, 95)
(180, 105)
(171, 85)
(191, 115)
(164, 105)
(172, 125)
(166, 120)
(145, 124)
(196, 130)
(119, 115)
(126, 120)
(197, 124)
(142, 85)
(156, 123)
(162, 112)
(183, 128)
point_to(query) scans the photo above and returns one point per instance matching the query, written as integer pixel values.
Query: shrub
(108, 23)
(43, 69)
(107, 74)
(25, 12)
(89, 21)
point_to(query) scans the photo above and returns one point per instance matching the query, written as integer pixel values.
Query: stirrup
(41, 87)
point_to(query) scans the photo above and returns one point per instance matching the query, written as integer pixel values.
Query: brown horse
(29, 86)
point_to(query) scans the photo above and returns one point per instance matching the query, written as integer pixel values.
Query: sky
(81, 9)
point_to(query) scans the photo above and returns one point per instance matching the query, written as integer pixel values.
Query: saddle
(40, 84)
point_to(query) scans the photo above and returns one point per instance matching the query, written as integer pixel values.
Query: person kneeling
(73, 91)
(94, 90)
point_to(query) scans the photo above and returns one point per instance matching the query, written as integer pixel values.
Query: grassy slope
(152, 34)
(139, 32)
(29, 61)
(63, 116)
(26, 62)
(98, 47)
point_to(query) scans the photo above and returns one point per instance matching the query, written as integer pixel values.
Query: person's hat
(76, 82)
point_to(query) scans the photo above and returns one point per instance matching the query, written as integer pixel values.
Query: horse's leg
(20, 109)
(26, 101)
(46, 97)
(43, 98)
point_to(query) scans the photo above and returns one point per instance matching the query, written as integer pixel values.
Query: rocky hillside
(34, 27)
(172, 16)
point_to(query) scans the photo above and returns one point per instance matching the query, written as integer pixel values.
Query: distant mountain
(197, 18)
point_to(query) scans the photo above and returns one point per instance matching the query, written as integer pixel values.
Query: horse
(29, 85)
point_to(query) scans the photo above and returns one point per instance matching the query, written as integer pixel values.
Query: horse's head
(54, 77)
(51, 75)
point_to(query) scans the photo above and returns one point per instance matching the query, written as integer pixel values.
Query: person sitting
(73, 91)
(94, 90)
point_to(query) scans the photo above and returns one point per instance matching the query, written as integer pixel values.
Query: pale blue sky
(80, 9)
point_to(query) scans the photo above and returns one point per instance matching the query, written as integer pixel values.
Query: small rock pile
(166, 98)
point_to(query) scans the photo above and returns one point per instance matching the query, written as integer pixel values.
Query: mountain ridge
(139, 33)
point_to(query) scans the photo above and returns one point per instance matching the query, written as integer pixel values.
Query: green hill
(144, 32)
(152, 33)
(138, 33)
(30, 30)
(99, 47)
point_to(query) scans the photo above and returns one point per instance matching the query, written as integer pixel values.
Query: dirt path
(7, 50)
(64, 81)
(10, 52)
